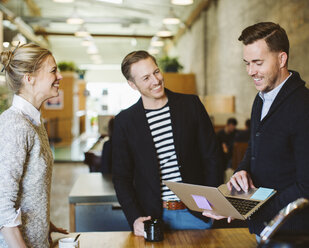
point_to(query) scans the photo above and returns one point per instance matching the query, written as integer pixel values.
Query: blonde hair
(27, 58)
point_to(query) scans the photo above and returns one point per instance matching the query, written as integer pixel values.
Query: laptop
(239, 205)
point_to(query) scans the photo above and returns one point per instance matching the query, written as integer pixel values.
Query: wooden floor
(64, 176)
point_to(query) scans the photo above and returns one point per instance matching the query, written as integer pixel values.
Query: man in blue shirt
(277, 156)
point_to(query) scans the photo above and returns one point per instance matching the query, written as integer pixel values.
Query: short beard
(270, 86)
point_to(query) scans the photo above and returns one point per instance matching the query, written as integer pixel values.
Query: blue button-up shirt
(269, 97)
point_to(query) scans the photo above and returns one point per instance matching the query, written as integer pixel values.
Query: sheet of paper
(201, 202)
(261, 194)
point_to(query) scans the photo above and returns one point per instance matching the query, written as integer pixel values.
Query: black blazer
(278, 153)
(135, 164)
(106, 158)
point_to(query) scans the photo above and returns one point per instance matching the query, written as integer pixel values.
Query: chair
(239, 150)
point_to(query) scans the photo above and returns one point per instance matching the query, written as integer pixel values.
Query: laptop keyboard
(243, 206)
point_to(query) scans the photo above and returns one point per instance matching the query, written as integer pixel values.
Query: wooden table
(90, 188)
(213, 238)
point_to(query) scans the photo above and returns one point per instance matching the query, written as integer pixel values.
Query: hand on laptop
(241, 180)
(210, 214)
(138, 225)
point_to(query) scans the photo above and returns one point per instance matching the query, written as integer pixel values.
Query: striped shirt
(160, 125)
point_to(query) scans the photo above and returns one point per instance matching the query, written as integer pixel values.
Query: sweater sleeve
(13, 154)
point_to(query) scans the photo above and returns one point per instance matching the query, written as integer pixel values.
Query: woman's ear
(28, 79)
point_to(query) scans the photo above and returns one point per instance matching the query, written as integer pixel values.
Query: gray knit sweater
(25, 176)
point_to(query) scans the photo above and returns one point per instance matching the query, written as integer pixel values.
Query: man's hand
(138, 225)
(210, 214)
(225, 148)
(53, 228)
(241, 180)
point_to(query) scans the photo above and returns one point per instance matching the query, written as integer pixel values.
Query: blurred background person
(243, 135)
(225, 139)
(106, 157)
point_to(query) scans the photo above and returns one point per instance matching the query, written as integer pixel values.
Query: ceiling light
(87, 41)
(6, 44)
(92, 49)
(164, 32)
(182, 2)
(156, 42)
(171, 19)
(111, 1)
(75, 19)
(81, 32)
(63, 1)
(133, 42)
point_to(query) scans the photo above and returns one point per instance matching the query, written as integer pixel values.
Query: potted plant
(170, 64)
(81, 73)
(67, 66)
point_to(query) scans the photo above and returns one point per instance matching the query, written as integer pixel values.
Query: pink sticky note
(201, 202)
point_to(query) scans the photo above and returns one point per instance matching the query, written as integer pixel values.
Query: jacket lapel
(290, 85)
(256, 114)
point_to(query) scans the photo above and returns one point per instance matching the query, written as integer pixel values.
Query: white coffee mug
(68, 243)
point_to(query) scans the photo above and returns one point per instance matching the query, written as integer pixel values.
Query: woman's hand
(13, 237)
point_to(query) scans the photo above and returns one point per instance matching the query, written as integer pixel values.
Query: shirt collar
(271, 95)
(27, 109)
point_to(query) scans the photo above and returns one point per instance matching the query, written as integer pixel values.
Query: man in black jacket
(277, 156)
(164, 136)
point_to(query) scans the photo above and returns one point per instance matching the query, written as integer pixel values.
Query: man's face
(147, 79)
(263, 65)
(231, 128)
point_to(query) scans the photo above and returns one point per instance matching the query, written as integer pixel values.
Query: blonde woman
(25, 155)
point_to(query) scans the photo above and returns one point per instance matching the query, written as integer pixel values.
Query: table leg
(72, 217)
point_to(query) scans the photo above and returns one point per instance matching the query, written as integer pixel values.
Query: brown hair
(274, 36)
(132, 58)
(27, 58)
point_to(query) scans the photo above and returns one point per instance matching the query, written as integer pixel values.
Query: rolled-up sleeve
(17, 220)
